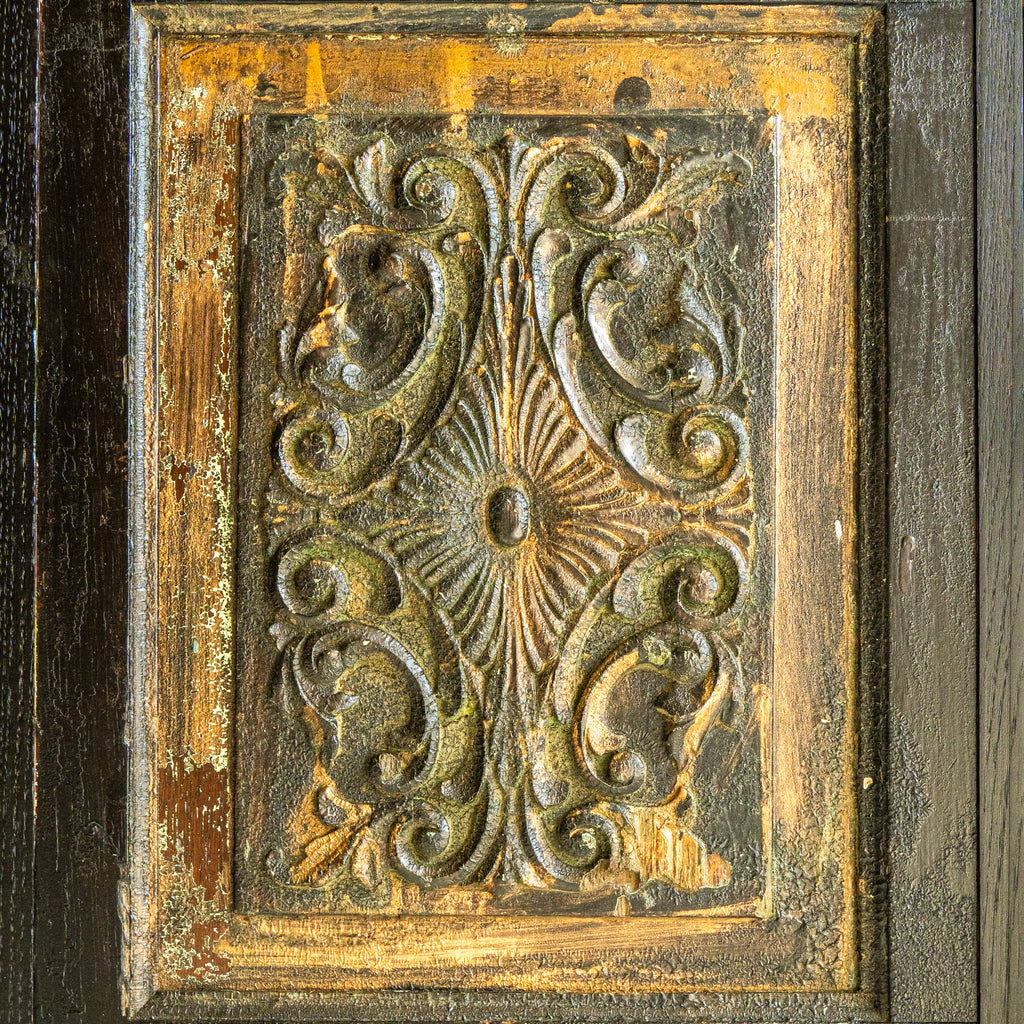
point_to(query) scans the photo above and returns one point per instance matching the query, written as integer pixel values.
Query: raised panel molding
(504, 514)
(508, 521)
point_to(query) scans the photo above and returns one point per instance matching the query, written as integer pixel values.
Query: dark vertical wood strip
(17, 370)
(872, 508)
(932, 795)
(1001, 494)
(82, 521)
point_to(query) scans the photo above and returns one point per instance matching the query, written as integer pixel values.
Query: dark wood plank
(17, 321)
(932, 585)
(82, 465)
(1001, 488)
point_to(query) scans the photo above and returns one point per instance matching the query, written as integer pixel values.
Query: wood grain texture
(82, 522)
(932, 598)
(1000, 254)
(17, 371)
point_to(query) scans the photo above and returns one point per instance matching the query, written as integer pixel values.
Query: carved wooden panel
(500, 472)
(507, 525)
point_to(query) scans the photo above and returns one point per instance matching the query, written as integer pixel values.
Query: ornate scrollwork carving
(611, 235)
(383, 332)
(513, 356)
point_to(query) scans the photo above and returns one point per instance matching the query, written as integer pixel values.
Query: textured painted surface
(17, 479)
(932, 694)
(81, 508)
(82, 513)
(1000, 251)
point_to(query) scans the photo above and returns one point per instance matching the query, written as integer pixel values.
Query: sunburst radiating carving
(512, 515)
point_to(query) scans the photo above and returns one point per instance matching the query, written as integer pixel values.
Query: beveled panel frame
(200, 71)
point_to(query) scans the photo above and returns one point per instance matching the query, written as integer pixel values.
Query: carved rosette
(511, 418)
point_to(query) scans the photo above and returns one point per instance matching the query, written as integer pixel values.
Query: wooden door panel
(727, 756)
(505, 600)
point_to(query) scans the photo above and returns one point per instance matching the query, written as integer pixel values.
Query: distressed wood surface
(497, 20)
(82, 514)
(17, 478)
(932, 591)
(81, 509)
(1000, 254)
(183, 908)
(496, 493)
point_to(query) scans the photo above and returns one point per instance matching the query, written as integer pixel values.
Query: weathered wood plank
(82, 465)
(932, 693)
(1001, 488)
(17, 369)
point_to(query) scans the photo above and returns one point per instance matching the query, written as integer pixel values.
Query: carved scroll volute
(660, 671)
(680, 368)
(648, 356)
(371, 362)
(643, 711)
(395, 724)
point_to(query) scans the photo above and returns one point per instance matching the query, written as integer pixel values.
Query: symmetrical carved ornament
(510, 513)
